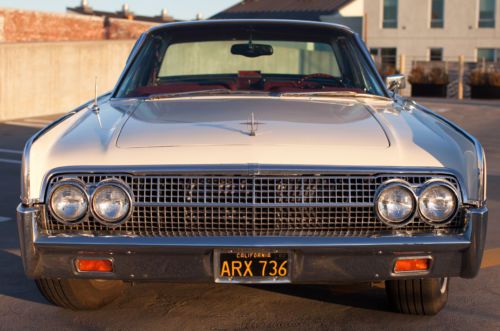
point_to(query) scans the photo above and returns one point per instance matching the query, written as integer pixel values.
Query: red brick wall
(125, 29)
(29, 26)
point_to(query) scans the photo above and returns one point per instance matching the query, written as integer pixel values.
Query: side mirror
(395, 83)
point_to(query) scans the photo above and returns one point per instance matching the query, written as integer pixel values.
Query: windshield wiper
(187, 94)
(333, 94)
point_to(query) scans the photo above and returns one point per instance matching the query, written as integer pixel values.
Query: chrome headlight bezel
(403, 185)
(433, 183)
(118, 184)
(79, 185)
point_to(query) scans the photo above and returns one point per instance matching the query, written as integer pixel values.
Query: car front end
(182, 220)
(315, 175)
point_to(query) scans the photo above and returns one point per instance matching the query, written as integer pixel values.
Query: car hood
(212, 131)
(182, 123)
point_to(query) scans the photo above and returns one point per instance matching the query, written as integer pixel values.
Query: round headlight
(68, 201)
(395, 203)
(438, 202)
(111, 203)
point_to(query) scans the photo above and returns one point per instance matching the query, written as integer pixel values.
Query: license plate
(249, 266)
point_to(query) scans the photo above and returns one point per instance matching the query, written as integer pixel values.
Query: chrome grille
(301, 205)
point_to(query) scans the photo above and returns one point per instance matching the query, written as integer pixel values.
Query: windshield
(250, 60)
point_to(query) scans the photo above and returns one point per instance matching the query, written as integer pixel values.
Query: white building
(426, 30)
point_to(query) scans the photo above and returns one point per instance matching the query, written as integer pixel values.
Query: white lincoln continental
(252, 151)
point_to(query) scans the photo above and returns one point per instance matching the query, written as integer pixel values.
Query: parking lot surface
(473, 304)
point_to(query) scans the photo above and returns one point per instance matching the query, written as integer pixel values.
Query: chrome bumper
(315, 260)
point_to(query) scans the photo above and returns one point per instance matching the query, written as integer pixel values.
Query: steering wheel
(305, 78)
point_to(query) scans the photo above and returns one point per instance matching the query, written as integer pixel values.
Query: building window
(385, 59)
(437, 14)
(436, 54)
(488, 55)
(390, 20)
(487, 10)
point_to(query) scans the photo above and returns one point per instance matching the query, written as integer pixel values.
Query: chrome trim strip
(371, 64)
(252, 170)
(127, 243)
(130, 61)
(250, 205)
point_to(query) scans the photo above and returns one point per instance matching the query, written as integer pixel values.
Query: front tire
(80, 294)
(418, 296)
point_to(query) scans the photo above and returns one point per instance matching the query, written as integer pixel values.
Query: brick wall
(1, 29)
(126, 29)
(29, 26)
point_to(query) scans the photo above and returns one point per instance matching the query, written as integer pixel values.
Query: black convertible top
(269, 23)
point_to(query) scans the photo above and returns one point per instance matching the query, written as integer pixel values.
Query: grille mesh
(305, 205)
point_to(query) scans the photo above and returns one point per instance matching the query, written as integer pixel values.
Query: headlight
(395, 203)
(68, 201)
(438, 202)
(112, 202)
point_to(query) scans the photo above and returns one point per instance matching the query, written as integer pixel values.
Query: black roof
(253, 22)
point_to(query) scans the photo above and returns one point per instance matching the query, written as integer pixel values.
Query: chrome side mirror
(395, 83)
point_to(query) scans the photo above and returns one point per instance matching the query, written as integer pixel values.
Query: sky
(180, 9)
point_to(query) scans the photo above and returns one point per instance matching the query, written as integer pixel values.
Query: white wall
(414, 36)
(355, 8)
(49, 78)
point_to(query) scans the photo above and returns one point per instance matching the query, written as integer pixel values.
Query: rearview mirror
(252, 50)
(395, 83)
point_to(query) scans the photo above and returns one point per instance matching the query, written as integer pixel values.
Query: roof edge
(222, 22)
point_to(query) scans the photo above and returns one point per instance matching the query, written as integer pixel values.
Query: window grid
(487, 12)
(437, 14)
(390, 14)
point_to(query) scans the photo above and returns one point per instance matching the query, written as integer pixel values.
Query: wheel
(80, 294)
(418, 296)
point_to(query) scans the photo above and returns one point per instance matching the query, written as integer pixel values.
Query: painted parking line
(10, 161)
(5, 219)
(442, 110)
(491, 258)
(38, 121)
(26, 124)
(10, 151)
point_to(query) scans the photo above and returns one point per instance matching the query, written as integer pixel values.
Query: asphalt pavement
(473, 304)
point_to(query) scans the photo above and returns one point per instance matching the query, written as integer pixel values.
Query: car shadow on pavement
(13, 282)
(361, 295)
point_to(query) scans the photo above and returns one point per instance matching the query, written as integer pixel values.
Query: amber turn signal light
(409, 265)
(83, 265)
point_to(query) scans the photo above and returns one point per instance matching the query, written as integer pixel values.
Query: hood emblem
(253, 125)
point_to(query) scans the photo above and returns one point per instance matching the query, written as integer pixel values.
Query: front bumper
(315, 260)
